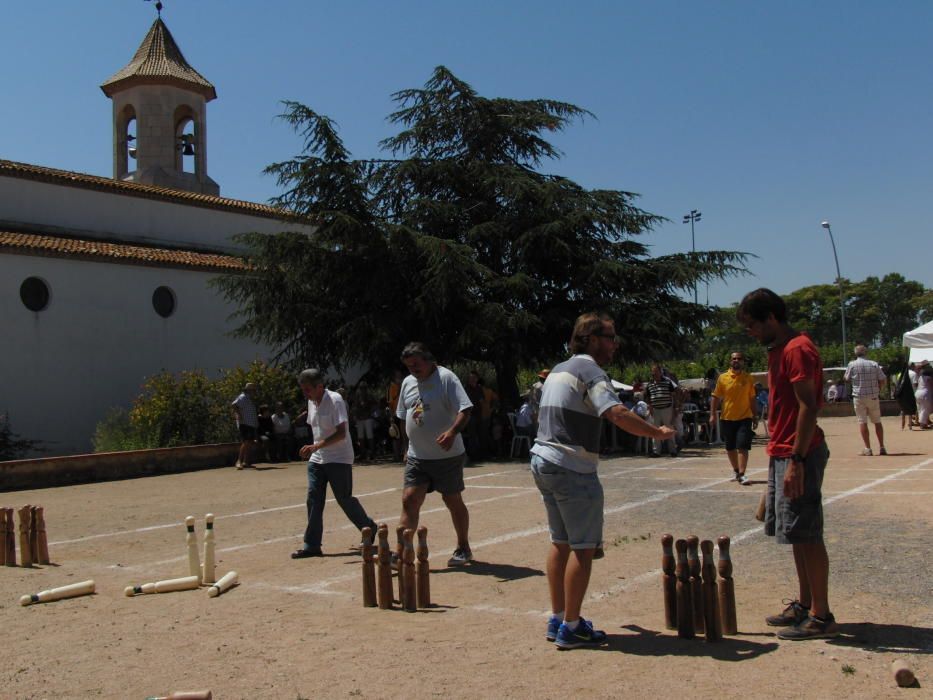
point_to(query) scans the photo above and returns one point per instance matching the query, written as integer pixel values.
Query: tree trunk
(506, 373)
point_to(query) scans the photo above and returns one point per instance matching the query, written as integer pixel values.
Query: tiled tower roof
(158, 60)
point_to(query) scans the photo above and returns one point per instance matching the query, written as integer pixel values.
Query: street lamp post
(692, 218)
(842, 305)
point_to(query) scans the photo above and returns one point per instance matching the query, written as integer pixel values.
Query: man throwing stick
(434, 410)
(867, 380)
(798, 452)
(330, 460)
(576, 396)
(735, 396)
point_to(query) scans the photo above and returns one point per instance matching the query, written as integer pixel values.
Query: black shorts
(441, 475)
(737, 434)
(248, 432)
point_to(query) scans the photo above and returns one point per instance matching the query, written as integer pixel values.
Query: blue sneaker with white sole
(553, 625)
(583, 636)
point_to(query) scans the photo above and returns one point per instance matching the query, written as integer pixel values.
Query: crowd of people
(433, 422)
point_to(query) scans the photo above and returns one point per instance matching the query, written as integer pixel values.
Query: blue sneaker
(583, 636)
(553, 625)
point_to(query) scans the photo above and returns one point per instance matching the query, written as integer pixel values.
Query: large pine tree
(459, 239)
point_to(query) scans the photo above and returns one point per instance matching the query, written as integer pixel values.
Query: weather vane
(158, 6)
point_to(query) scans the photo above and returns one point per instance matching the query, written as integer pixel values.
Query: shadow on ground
(903, 639)
(645, 642)
(502, 572)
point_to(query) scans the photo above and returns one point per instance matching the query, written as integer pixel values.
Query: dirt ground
(297, 629)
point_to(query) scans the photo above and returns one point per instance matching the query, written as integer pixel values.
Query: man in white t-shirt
(330, 460)
(434, 410)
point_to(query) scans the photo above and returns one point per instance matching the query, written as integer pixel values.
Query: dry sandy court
(297, 629)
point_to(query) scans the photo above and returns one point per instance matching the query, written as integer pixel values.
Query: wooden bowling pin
(184, 695)
(668, 581)
(762, 506)
(33, 535)
(684, 603)
(726, 588)
(384, 589)
(10, 537)
(369, 570)
(209, 571)
(191, 539)
(25, 550)
(423, 570)
(186, 583)
(71, 591)
(399, 550)
(903, 673)
(226, 582)
(4, 545)
(407, 571)
(43, 538)
(713, 623)
(696, 583)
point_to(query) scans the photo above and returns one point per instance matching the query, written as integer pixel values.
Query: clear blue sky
(769, 117)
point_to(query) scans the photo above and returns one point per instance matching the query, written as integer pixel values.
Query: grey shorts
(799, 520)
(574, 504)
(441, 475)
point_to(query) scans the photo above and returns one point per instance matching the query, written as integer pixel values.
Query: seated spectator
(525, 419)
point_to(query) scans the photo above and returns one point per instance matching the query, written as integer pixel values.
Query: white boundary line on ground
(261, 511)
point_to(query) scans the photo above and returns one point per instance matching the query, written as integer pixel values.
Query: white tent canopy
(920, 342)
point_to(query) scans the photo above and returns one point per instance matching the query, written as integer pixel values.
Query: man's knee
(453, 500)
(412, 500)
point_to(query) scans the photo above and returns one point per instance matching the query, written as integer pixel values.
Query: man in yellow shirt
(734, 395)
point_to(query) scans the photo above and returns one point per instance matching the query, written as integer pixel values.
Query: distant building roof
(101, 251)
(158, 60)
(9, 168)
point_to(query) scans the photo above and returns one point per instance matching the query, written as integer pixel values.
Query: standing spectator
(281, 433)
(363, 408)
(831, 391)
(435, 410)
(247, 421)
(659, 393)
(330, 460)
(798, 452)
(735, 396)
(577, 396)
(842, 392)
(488, 405)
(867, 381)
(475, 445)
(396, 434)
(924, 394)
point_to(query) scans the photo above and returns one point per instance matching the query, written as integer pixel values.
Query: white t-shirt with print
(429, 408)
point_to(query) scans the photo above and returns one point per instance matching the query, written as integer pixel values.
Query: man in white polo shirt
(330, 460)
(867, 379)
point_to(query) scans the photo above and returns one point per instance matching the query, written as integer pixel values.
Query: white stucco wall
(82, 212)
(61, 369)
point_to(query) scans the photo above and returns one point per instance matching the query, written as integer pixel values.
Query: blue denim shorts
(798, 520)
(574, 504)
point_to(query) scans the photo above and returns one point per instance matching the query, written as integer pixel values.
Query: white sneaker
(866, 452)
(460, 557)
(743, 480)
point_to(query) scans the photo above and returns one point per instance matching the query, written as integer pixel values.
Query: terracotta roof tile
(159, 60)
(27, 171)
(102, 251)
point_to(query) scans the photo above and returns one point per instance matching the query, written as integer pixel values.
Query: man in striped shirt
(867, 378)
(575, 398)
(659, 393)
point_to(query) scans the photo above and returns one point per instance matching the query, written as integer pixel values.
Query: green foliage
(191, 409)
(458, 239)
(12, 445)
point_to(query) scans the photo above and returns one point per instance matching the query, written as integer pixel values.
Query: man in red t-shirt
(798, 457)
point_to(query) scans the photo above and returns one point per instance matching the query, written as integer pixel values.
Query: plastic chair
(517, 439)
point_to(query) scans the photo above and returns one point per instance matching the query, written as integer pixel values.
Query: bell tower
(160, 117)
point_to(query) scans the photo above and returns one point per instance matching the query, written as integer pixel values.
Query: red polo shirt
(796, 360)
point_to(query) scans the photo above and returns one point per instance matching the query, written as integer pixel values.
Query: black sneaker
(306, 553)
(811, 628)
(793, 614)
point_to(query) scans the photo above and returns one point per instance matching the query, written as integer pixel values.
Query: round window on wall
(35, 294)
(163, 301)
